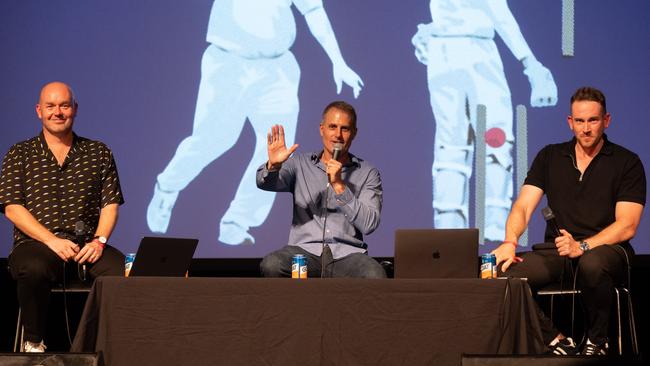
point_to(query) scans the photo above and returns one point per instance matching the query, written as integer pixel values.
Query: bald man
(48, 185)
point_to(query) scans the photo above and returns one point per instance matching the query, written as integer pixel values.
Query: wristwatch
(584, 246)
(102, 240)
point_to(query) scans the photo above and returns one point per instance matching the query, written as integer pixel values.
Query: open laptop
(169, 257)
(436, 253)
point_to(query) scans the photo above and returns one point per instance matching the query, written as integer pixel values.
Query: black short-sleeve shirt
(60, 195)
(585, 205)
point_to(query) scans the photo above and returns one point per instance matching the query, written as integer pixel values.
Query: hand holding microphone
(564, 242)
(334, 167)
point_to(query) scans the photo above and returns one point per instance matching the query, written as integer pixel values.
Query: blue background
(135, 67)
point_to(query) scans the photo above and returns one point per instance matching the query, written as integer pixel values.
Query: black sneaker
(594, 349)
(563, 347)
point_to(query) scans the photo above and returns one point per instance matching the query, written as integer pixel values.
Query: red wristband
(510, 242)
(102, 245)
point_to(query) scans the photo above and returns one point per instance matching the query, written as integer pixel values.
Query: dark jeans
(596, 273)
(360, 265)
(36, 268)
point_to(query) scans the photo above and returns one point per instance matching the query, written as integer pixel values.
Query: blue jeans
(358, 265)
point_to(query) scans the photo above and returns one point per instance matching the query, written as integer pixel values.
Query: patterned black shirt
(59, 196)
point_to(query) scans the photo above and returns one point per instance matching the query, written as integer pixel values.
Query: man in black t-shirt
(49, 186)
(597, 191)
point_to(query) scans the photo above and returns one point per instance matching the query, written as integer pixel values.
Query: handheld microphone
(338, 147)
(550, 220)
(79, 232)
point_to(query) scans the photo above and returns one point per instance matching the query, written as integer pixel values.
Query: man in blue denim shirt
(329, 235)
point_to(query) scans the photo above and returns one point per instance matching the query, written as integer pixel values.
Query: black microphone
(338, 147)
(80, 233)
(550, 221)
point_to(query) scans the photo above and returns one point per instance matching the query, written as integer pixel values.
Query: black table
(256, 321)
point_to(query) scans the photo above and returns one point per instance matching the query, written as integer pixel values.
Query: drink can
(488, 266)
(128, 263)
(299, 266)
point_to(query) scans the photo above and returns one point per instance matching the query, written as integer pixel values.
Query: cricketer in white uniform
(247, 73)
(464, 69)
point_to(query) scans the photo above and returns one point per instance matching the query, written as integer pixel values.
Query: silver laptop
(436, 253)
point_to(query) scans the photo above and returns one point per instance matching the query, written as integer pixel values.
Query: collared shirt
(60, 195)
(585, 204)
(350, 215)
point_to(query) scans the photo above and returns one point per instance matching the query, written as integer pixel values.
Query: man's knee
(374, 271)
(516, 270)
(364, 266)
(530, 268)
(592, 267)
(273, 265)
(110, 264)
(34, 269)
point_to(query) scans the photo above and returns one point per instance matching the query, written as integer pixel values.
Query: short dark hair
(345, 107)
(588, 93)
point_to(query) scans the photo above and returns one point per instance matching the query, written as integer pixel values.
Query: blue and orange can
(128, 263)
(299, 266)
(488, 266)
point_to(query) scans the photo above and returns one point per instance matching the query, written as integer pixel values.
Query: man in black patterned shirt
(48, 184)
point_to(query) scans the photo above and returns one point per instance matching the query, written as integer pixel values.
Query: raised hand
(277, 148)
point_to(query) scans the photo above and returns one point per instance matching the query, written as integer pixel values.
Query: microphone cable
(65, 305)
(549, 217)
(573, 300)
(325, 214)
